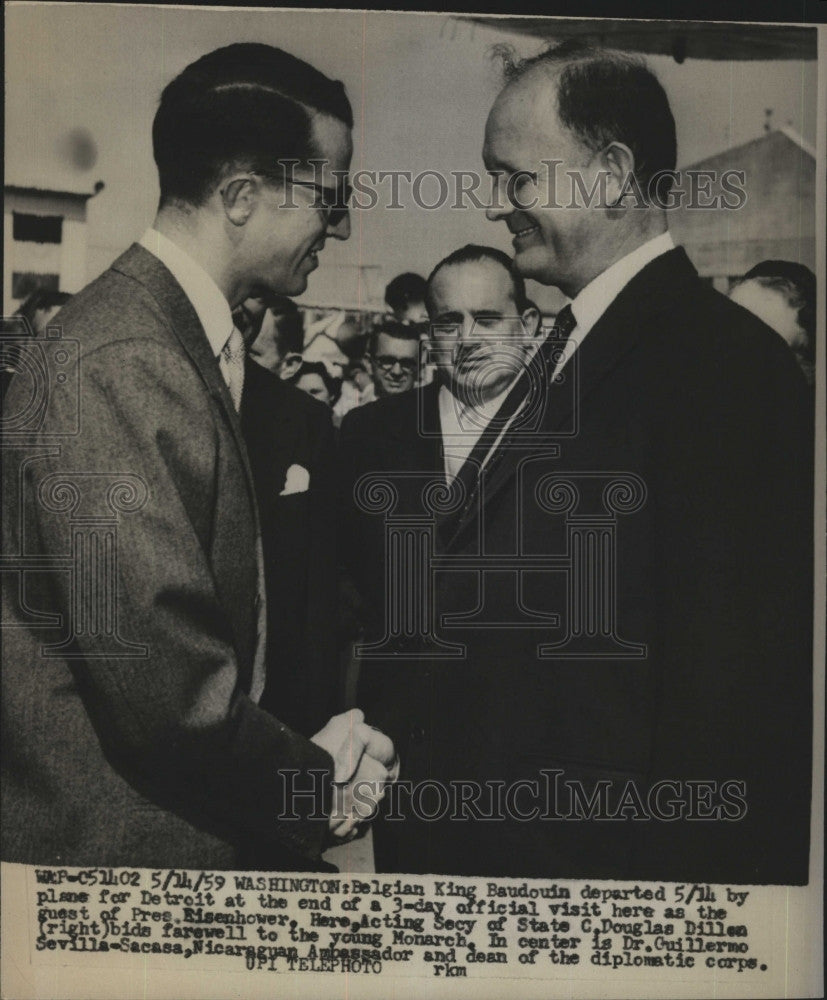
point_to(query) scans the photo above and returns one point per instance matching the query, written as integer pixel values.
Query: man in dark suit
(133, 660)
(289, 439)
(660, 728)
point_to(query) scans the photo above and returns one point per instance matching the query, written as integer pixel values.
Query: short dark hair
(797, 284)
(247, 104)
(403, 290)
(605, 96)
(332, 384)
(289, 323)
(473, 252)
(391, 327)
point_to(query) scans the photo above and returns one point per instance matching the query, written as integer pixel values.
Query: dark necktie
(535, 377)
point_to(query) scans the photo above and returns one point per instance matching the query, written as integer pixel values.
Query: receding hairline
(482, 259)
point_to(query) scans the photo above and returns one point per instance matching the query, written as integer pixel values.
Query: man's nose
(340, 229)
(496, 211)
(467, 331)
(500, 207)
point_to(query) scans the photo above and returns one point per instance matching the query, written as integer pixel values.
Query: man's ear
(619, 162)
(239, 196)
(531, 320)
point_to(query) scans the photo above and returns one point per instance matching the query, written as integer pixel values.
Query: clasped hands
(364, 764)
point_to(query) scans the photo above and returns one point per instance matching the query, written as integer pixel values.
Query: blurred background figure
(280, 336)
(274, 327)
(405, 297)
(40, 308)
(357, 388)
(321, 342)
(393, 353)
(314, 378)
(783, 294)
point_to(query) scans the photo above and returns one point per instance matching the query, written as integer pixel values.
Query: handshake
(364, 764)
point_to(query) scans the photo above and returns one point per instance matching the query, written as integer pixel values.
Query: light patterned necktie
(231, 362)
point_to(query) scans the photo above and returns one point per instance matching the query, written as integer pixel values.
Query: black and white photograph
(413, 502)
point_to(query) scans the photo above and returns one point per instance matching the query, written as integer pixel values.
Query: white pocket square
(297, 480)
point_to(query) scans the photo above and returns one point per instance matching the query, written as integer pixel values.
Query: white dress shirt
(593, 300)
(208, 301)
(462, 425)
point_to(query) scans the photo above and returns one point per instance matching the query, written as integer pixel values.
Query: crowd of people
(347, 360)
(256, 437)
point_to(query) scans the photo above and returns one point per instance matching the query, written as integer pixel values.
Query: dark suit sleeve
(734, 526)
(323, 570)
(177, 722)
(354, 445)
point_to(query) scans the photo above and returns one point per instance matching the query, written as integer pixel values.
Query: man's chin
(290, 283)
(534, 263)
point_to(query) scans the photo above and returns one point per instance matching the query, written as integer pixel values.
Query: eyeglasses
(334, 200)
(387, 362)
(339, 197)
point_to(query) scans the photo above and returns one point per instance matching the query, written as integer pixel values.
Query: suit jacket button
(417, 734)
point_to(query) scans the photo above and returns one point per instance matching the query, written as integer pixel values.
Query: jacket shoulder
(375, 418)
(114, 307)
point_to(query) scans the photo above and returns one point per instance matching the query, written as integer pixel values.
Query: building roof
(776, 220)
(763, 148)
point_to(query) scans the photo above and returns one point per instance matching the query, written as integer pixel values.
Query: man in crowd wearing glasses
(393, 353)
(133, 732)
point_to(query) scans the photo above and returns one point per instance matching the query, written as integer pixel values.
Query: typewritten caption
(448, 928)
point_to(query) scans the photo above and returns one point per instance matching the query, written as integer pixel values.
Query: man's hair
(289, 324)
(797, 284)
(332, 384)
(392, 328)
(247, 104)
(472, 253)
(605, 96)
(403, 290)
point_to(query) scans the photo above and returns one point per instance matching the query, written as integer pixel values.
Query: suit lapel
(275, 439)
(615, 334)
(421, 451)
(413, 448)
(143, 266)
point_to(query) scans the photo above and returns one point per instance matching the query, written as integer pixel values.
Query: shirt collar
(593, 300)
(206, 297)
(452, 409)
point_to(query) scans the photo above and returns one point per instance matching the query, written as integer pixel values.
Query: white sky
(420, 85)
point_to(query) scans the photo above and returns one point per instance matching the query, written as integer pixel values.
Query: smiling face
(481, 336)
(288, 228)
(554, 245)
(395, 365)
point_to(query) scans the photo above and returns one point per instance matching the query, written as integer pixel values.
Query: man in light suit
(133, 663)
(660, 727)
